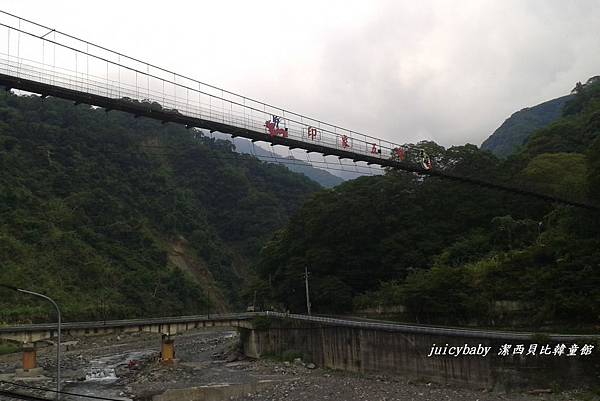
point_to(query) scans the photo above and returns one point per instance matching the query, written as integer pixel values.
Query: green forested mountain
(120, 217)
(325, 178)
(452, 253)
(510, 137)
(116, 216)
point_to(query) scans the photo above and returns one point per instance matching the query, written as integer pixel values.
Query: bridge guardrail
(447, 331)
(56, 58)
(131, 322)
(396, 327)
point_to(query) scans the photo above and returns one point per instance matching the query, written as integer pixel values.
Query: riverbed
(127, 367)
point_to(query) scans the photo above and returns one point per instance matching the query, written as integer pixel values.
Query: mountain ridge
(323, 177)
(516, 130)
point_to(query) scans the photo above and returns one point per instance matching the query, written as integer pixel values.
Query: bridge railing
(132, 322)
(422, 329)
(35, 52)
(324, 320)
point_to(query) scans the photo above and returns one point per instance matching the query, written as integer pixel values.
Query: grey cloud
(453, 74)
(450, 71)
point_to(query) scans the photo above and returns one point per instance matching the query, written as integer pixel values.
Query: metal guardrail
(130, 322)
(329, 321)
(29, 51)
(433, 330)
(35, 59)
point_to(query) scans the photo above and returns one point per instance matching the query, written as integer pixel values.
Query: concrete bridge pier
(30, 368)
(167, 349)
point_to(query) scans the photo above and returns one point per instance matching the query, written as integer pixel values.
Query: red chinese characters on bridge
(400, 153)
(273, 128)
(345, 141)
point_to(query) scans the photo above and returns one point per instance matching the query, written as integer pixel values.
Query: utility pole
(58, 384)
(307, 293)
(207, 304)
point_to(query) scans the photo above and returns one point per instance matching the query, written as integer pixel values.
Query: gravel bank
(209, 358)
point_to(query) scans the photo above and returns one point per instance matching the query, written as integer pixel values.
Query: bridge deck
(142, 109)
(49, 62)
(138, 109)
(319, 320)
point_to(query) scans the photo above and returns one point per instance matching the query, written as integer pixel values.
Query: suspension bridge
(42, 60)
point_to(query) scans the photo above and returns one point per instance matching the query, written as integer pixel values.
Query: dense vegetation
(325, 178)
(115, 216)
(119, 217)
(453, 253)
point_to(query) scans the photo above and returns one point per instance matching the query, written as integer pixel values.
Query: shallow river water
(100, 377)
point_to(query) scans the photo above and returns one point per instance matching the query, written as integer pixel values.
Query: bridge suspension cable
(119, 82)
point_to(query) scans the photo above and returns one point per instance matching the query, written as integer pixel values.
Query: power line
(37, 398)
(19, 396)
(345, 154)
(322, 165)
(417, 170)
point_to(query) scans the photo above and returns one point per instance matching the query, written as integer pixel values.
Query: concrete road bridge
(364, 346)
(171, 326)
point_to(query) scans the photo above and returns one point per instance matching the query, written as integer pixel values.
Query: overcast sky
(449, 71)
